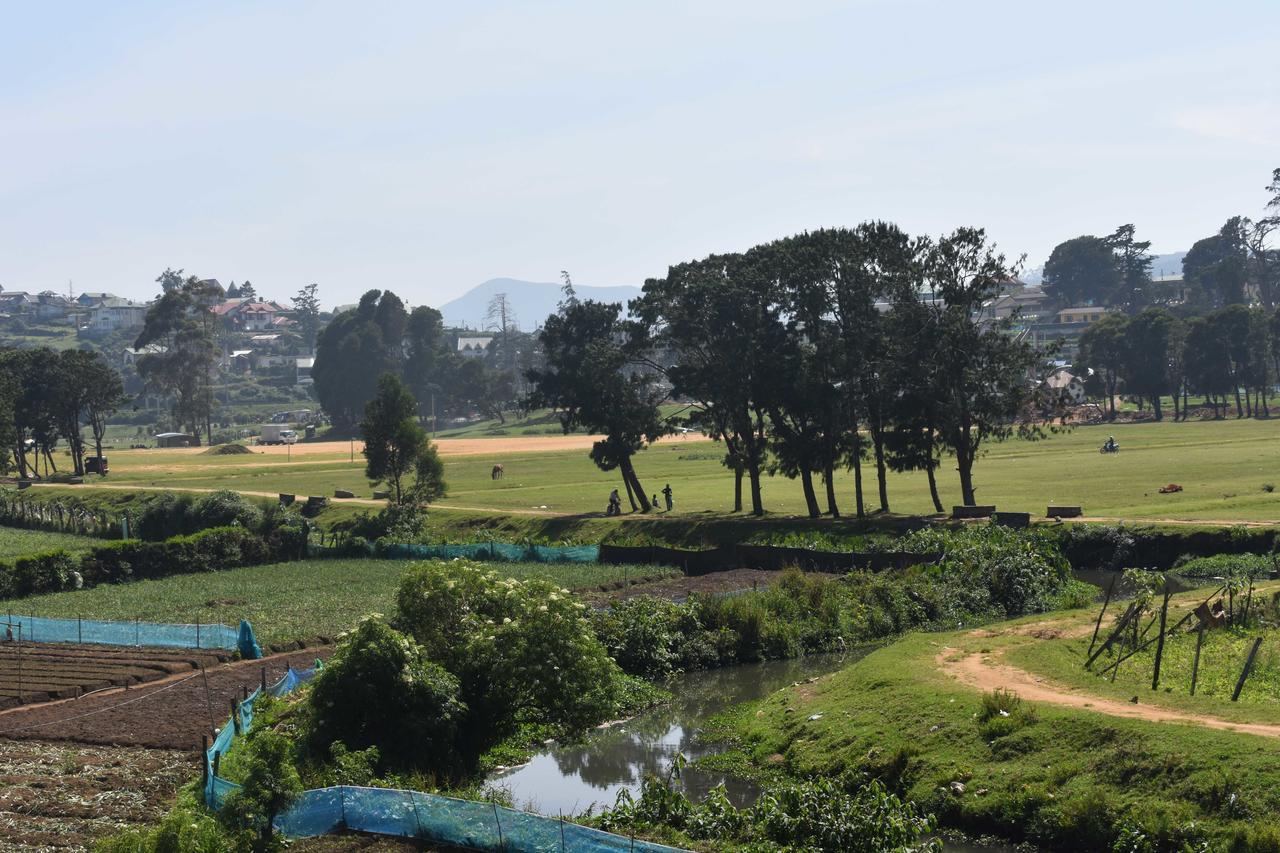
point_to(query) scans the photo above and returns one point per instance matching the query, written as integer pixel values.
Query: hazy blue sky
(426, 147)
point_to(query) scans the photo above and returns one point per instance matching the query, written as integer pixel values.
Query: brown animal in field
(497, 472)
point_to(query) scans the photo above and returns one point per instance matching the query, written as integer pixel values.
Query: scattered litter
(813, 717)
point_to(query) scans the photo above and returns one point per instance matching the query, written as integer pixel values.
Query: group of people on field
(615, 501)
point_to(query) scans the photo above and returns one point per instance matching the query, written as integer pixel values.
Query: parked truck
(277, 434)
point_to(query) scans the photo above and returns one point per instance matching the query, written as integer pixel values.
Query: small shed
(175, 439)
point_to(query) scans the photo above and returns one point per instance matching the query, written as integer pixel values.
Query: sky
(426, 147)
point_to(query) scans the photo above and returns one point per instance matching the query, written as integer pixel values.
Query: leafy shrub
(1225, 565)
(523, 652)
(380, 690)
(270, 785)
(37, 574)
(225, 508)
(848, 814)
(166, 516)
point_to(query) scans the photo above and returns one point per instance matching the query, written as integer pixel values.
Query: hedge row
(116, 562)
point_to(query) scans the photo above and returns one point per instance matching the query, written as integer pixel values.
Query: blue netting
(500, 551)
(412, 814)
(39, 629)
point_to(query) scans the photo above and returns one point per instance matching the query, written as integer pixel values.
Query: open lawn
(1222, 466)
(16, 543)
(286, 601)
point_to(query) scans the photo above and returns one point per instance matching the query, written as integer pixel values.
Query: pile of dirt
(227, 450)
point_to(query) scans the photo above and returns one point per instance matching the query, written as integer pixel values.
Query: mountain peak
(533, 301)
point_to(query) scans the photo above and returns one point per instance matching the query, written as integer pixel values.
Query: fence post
(1098, 625)
(264, 679)
(1244, 673)
(235, 717)
(137, 630)
(1195, 667)
(502, 845)
(19, 663)
(197, 632)
(79, 631)
(204, 761)
(217, 757)
(1164, 610)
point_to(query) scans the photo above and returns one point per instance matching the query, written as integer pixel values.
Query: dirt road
(987, 671)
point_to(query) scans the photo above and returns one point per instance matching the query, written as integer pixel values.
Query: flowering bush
(522, 651)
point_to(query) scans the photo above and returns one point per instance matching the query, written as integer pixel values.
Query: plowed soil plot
(171, 713)
(680, 588)
(39, 672)
(64, 796)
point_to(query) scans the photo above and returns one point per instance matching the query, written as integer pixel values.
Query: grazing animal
(497, 472)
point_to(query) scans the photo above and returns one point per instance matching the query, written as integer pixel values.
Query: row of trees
(1233, 352)
(47, 396)
(1237, 265)
(381, 336)
(804, 356)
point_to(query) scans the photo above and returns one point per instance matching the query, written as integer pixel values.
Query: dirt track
(447, 446)
(986, 671)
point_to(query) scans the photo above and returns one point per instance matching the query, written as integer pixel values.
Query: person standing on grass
(666, 493)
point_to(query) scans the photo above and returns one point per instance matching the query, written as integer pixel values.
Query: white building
(474, 347)
(116, 313)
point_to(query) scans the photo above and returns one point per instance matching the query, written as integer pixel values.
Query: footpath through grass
(286, 601)
(1061, 778)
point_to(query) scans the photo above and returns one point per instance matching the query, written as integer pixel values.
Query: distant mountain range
(1161, 265)
(533, 301)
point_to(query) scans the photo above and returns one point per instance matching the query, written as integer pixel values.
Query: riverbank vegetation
(993, 763)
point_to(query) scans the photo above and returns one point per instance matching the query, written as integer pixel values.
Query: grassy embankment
(1063, 777)
(1223, 467)
(286, 601)
(16, 543)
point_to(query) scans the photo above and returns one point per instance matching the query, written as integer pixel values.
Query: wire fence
(408, 814)
(41, 629)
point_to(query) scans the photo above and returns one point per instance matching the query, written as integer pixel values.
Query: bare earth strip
(986, 671)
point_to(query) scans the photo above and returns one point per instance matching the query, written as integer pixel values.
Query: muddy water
(569, 779)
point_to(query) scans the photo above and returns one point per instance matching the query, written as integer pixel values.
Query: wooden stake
(1164, 611)
(1244, 673)
(1103, 612)
(204, 761)
(1195, 667)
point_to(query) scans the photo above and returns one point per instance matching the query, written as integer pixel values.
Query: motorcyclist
(1110, 446)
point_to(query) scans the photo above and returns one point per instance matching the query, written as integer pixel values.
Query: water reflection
(568, 779)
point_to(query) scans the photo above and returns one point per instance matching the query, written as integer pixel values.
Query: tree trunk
(829, 475)
(737, 489)
(1174, 401)
(964, 464)
(1155, 407)
(857, 472)
(877, 440)
(629, 471)
(626, 483)
(1239, 409)
(753, 475)
(933, 489)
(810, 497)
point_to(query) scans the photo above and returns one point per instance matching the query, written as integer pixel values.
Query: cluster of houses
(255, 329)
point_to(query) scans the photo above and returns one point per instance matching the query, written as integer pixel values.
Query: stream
(567, 779)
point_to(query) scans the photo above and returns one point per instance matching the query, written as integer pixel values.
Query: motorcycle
(1109, 448)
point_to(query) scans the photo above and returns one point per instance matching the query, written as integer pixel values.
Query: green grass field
(285, 601)
(1223, 467)
(16, 543)
(1061, 778)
